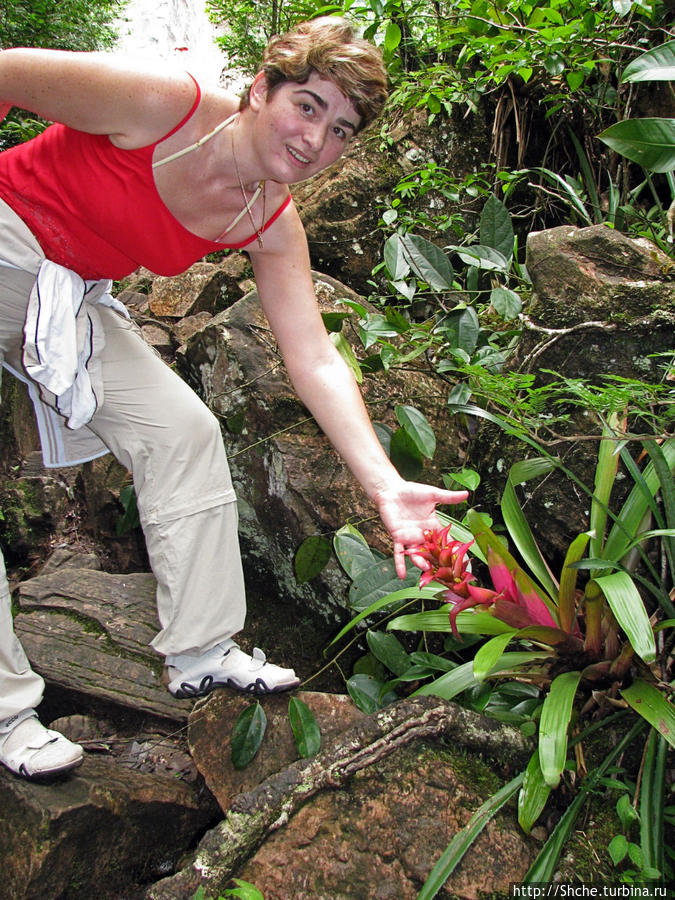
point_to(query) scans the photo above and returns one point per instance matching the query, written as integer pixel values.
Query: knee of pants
(188, 465)
(198, 429)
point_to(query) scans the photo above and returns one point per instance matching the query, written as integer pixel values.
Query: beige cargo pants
(161, 431)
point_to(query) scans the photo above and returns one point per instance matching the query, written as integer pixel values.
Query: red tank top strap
(189, 114)
(272, 219)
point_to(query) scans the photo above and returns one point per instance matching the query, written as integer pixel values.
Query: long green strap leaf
(555, 718)
(651, 802)
(489, 654)
(649, 703)
(667, 483)
(605, 476)
(448, 686)
(544, 866)
(629, 610)
(462, 841)
(468, 622)
(411, 593)
(638, 502)
(568, 582)
(516, 522)
(533, 794)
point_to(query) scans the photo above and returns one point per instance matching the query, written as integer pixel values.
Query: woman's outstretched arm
(328, 389)
(133, 102)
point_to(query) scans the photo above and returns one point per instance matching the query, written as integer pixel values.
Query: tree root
(255, 814)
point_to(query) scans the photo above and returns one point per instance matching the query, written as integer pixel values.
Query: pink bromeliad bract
(513, 599)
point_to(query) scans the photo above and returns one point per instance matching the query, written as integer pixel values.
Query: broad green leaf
(405, 455)
(618, 848)
(481, 257)
(652, 705)
(555, 718)
(432, 661)
(394, 259)
(352, 551)
(460, 393)
(374, 327)
(629, 610)
(311, 558)
(407, 288)
(366, 692)
(575, 79)
(489, 654)
(345, 350)
(243, 891)
(464, 839)
(334, 320)
(392, 37)
(657, 64)
(466, 478)
(389, 650)
(554, 64)
(496, 229)
(533, 794)
(379, 581)
(451, 684)
(650, 142)
(428, 261)
(418, 428)
(384, 434)
(624, 810)
(248, 734)
(506, 303)
(304, 726)
(358, 308)
(462, 329)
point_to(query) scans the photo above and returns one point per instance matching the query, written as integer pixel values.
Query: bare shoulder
(286, 235)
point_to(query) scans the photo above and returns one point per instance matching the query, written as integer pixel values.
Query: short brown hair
(330, 47)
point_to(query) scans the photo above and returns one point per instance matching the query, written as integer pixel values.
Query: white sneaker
(226, 665)
(29, 749)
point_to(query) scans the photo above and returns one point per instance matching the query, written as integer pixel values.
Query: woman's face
(304, 127)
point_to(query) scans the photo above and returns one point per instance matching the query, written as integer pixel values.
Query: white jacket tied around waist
(61, 355)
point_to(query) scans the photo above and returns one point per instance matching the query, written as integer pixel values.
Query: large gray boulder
(603, 305)
(290, 482)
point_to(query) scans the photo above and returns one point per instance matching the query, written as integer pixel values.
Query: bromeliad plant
(583, 645)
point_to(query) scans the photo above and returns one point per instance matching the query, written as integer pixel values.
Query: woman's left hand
(408, 510)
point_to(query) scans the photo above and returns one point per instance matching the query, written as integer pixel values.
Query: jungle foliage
(59, 24)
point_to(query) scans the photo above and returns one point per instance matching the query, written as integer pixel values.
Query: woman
(145, 168)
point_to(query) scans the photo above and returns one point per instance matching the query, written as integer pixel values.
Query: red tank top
(94, 207)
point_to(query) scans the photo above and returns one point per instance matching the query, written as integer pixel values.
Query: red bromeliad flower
(447, 560)
(514, 603)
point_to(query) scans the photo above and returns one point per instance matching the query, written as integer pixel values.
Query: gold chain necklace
(249, 203)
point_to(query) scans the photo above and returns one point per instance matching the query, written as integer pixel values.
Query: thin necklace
(249, 203)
